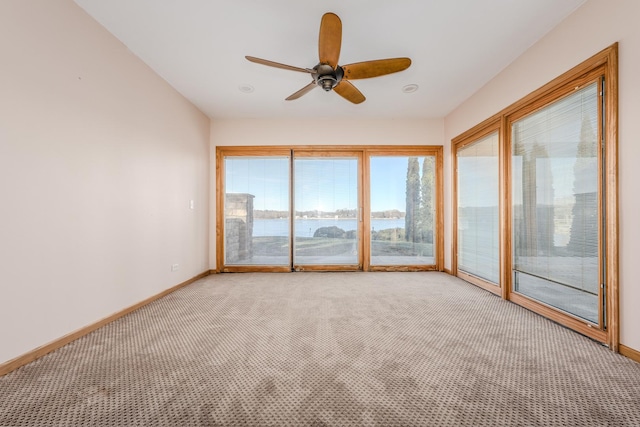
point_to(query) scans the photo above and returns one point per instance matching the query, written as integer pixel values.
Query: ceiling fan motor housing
(326, 77)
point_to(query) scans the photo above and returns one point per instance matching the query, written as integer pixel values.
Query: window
(329, 208)
(403, 210)
(326, 206)
(478, 193)
(550, 160)
(556, 227)
(256, 210)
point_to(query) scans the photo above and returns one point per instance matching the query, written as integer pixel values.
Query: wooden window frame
(329, 152)
(364, 153)
(468, 138)
(417, 151)
(604, 64)
(221, 153)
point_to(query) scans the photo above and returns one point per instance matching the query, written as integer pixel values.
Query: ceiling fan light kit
(328, 74)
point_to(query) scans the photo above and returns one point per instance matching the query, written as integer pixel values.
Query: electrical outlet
(191, 204)
(175, 267)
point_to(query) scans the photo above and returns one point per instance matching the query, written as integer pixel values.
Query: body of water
(306, 227)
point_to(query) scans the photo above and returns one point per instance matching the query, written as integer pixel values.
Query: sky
(267, 178)
(326, 184)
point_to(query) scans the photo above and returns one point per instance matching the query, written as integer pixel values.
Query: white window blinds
(555, 204)
(478, 220)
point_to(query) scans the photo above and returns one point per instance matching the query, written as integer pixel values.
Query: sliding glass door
(256, 211)
(535, 197)
(329, 208)
(478, 218)
(402, 195)
(327, 212)
(557, 217)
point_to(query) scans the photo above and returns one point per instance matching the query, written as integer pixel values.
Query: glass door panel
(402, 220)
(256, 211)
(478, 230)
(327, 211)
(556, 214)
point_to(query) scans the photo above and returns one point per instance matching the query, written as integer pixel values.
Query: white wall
(593, 27)
(99, 158)
(318, 132)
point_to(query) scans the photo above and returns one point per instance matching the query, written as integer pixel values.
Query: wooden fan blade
(330, 39)
(277, 65)
(349, 92)
(380, 67)
(301, 92)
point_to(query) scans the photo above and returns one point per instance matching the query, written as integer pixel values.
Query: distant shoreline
(306, 227)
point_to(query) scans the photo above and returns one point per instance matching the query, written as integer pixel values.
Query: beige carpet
(327, 349)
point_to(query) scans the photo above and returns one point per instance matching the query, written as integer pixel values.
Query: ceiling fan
(331, 76)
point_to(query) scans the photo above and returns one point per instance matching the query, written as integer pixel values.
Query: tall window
(403, 210)
(478, 215)
(256, 211)
(555, 181)
(535, 200)
(326, 211)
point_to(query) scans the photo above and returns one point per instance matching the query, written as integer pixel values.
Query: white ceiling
(198, 46)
